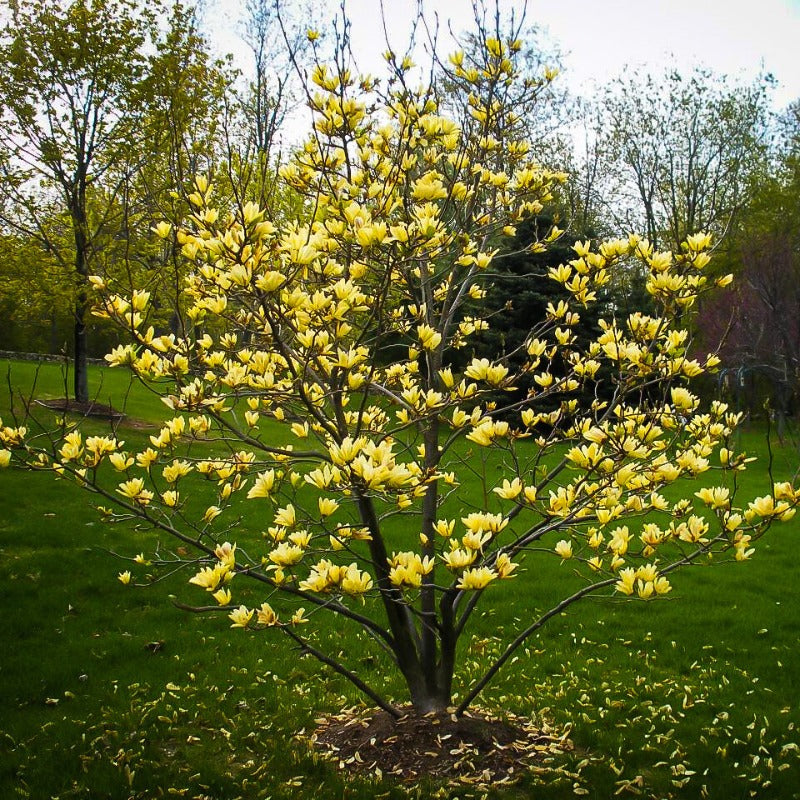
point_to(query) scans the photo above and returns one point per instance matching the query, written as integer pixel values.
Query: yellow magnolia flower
(479, 521)
(298, 618)
(647, 572)
(355, 582)
(458, 559)
(124, 354)
(477, 578)
(510, 489)
(698, 241)
(124, 577)
(530, 494)
(504, 566)
(177, 469)
(327, 506)
(120, 461)
(263, 485)
(286, 554)
(300, 538)
(266, 616)
(222, 596)
(459, 418)
(240, 617)
(134, 490)
(407, 568)
(162, 230)
(286, 516)
(732, 521)
(724, 280)
(683, 399)
(620, 538)
(444, 527)
(627, 581)
(478, 369)
(475, 541)
(767, 507)
(72, 447)
(644, 589)
(483, 260)
(596, 538)
(348, 450)
(300, 431)
(742, 551)
(226, 553)
(662, 585)
(403, 501)
(716, 496)
(564, 548)
(209, 578)
(211, 513)
(101, 445)
(616, 562)
(429, 187)
(429, 338)
(783, 490)
(146, 458)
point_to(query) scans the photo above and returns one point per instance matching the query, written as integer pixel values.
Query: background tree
(682, 150)
(516, 301)
(587, 197)
(34, 302)
(278, 37)
(756, 322)
(183, 92)
(69, 78)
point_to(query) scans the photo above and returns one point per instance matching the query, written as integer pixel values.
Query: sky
(602, 38)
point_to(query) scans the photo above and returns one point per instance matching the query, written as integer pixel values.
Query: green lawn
(111, 691)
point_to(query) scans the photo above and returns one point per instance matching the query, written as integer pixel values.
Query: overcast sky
(599, 38)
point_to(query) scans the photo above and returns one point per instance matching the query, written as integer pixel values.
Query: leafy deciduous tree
(682, 150)
(182, 92)
(755, 324)
(68, 76)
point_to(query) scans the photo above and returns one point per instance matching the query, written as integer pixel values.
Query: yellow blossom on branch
(241, 617)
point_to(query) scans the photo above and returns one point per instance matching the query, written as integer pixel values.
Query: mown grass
(111, 691)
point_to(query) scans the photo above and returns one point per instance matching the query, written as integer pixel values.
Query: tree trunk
(81, 382)
(429, 684)
(431, 701)
(55, 346)
(78, 214)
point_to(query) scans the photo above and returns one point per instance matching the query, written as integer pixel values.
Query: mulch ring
(95, 410)
(476, 749)
(88, 409)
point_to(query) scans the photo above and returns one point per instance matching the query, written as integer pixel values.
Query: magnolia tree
(314, 400)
